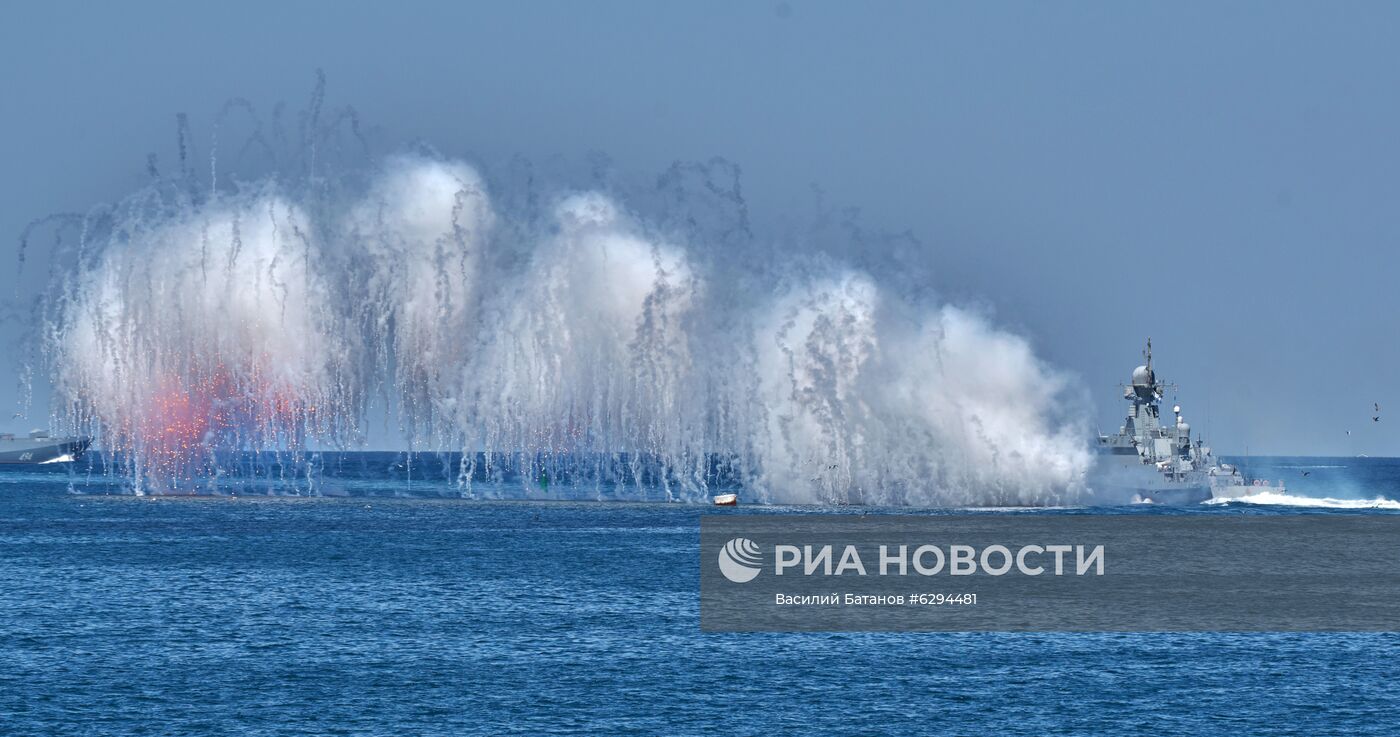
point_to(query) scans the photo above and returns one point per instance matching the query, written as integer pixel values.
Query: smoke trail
(645, 337)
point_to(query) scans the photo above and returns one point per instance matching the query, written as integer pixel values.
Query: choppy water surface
(376, 614)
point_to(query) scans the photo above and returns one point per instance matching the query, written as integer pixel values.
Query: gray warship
(1148, 461)
(40, 448)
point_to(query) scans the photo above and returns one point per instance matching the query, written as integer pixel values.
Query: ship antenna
(1148, 354)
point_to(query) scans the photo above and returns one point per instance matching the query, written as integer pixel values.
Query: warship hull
(1127, 484)
(1174, 496)
(41, 450)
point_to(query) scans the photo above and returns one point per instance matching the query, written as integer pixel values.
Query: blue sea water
(388, 611)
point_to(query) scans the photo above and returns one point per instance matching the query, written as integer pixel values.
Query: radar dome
(1142, 376)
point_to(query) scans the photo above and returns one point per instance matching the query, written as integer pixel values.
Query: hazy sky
(1222, 177)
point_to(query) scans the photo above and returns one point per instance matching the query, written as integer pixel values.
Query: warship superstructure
(1151, 461)
(40, 448)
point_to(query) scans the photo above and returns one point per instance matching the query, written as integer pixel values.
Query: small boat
(726, 500)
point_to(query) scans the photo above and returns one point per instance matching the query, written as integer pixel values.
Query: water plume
(598, 334)
(211, 330)
(420, 231)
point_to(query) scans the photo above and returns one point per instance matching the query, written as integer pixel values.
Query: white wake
(1274, 498)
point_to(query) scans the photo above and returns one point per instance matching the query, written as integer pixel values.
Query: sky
(1221, 177)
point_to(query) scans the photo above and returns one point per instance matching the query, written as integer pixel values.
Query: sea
(391, 607)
